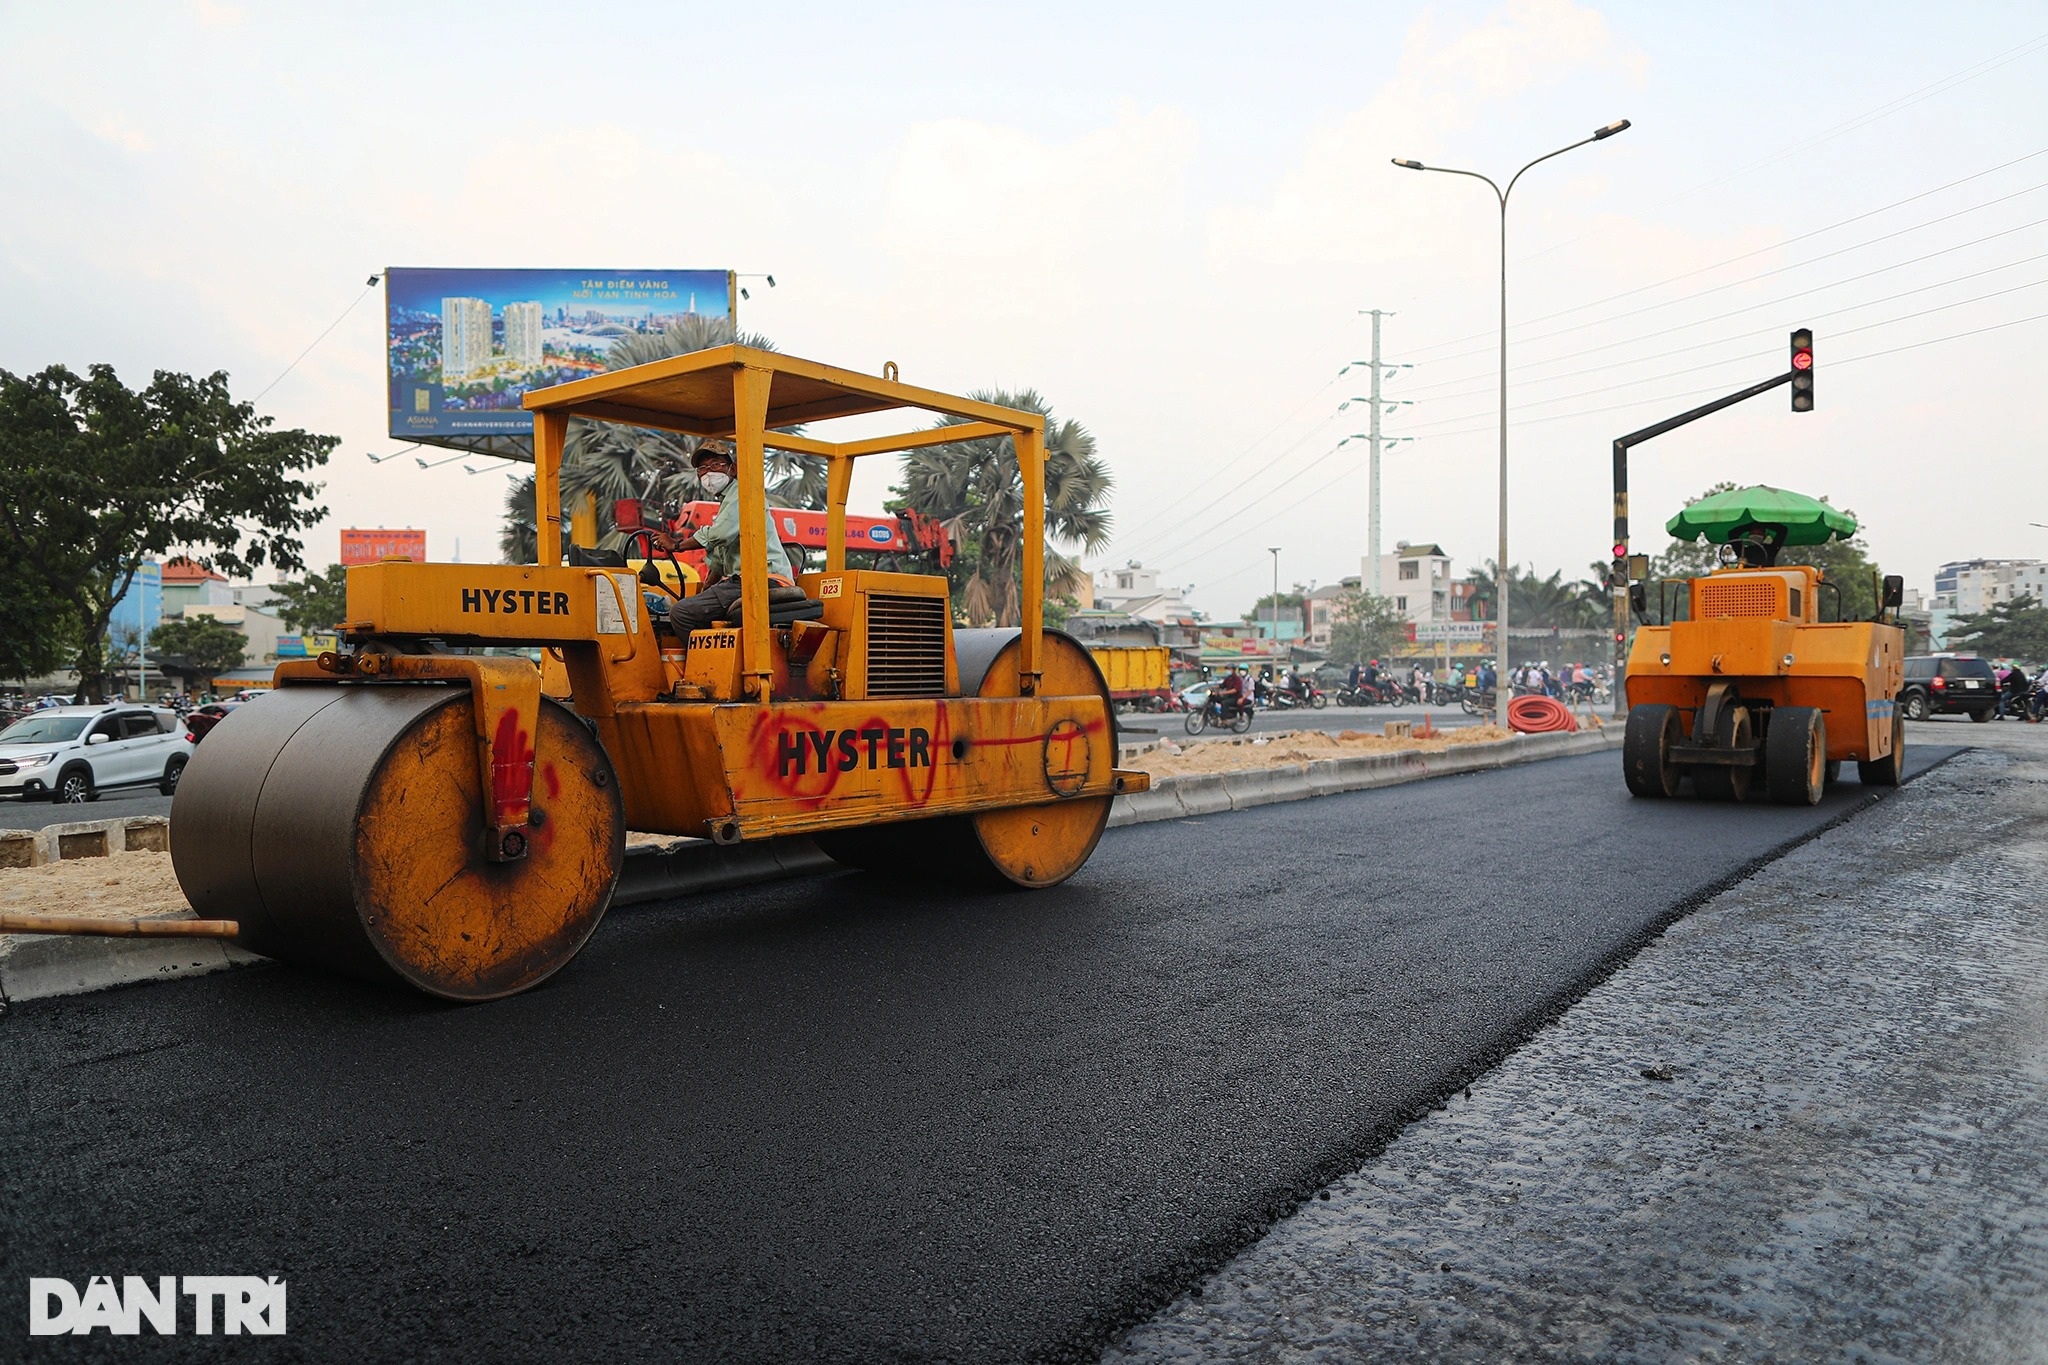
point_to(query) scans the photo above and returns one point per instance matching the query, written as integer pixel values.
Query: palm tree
(611, 462)
(519, 539)
(975, 489)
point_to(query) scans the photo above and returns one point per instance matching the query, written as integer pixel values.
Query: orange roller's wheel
(343, 827)
(1033, 846)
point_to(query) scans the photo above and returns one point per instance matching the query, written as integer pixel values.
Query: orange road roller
(1760, 688)
(415, 806)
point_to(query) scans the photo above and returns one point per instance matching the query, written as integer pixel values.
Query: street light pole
(1505, 691)
(1274, 550)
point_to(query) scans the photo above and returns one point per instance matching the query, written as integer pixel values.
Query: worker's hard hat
(711, 450)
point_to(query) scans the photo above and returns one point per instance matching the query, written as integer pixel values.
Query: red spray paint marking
(511, 772)
(815, 788)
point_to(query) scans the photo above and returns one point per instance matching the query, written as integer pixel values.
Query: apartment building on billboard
(465, 338)
(522, 333)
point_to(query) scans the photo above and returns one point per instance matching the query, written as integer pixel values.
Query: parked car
(1943, 684)
(201, 719)
(73, 753)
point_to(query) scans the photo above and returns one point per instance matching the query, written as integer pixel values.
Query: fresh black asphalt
(840, 1118)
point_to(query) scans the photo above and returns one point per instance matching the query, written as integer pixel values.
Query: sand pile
(125, 886)
(1295, 746)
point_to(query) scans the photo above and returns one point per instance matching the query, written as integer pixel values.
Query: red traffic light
(1802, 370)
(1621, 549)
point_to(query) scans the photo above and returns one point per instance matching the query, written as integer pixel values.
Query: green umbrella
(1722, 517)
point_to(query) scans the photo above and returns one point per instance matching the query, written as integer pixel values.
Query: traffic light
(1802, 370)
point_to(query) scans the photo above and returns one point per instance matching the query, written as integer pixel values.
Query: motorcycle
(1381, 693)
(1477, 703)
(1211, 713)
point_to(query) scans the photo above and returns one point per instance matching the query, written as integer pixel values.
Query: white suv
(73, 753)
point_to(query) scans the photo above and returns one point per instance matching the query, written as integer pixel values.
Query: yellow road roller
(1763, 687)
(411, 807)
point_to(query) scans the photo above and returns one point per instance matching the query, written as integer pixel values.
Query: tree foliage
(975, 488)
(197, 647)
(1539, 603)
(611, 462)
(1363, 626)
(519, 538)
(1285, 607)
(2010, 630)
(95, 477)
(319, 601)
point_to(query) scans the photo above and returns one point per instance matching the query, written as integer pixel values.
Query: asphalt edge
(1281, 1204)
(39, 968)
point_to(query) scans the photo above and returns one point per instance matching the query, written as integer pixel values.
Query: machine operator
(718, 599)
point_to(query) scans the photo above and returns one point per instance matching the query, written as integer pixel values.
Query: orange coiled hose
(1540, 716)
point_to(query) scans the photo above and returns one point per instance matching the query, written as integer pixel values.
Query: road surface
(845, 1119)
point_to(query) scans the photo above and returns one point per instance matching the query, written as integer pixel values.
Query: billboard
(462, 347)
(367, 547)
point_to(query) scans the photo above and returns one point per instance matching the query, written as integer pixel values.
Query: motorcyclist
(1231, 693)
(2013, 701)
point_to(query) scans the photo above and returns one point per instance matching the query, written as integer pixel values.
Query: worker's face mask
(715, 483)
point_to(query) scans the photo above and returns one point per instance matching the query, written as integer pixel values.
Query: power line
(1157, 513)
(1912, 97)
(1817, 317)
(1701, 393)
(1762, 250)
(1701, 322)
(1229, 493)
(1761, 275)
(1891, 106)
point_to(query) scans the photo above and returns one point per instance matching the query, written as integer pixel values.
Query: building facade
(1417, 580)
(1135, 590)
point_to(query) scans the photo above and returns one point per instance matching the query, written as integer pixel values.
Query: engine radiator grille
(1737, 599)
(906, 646)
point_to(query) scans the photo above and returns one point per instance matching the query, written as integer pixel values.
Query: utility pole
(1372, 517)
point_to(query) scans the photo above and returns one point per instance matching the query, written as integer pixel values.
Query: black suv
(1941, 685)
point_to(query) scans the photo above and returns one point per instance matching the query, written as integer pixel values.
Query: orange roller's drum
(343, 828)
(1033, 846)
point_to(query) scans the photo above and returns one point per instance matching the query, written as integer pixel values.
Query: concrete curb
(33, 968)
(84, 839)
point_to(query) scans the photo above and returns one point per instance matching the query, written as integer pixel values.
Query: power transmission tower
(1372, 531)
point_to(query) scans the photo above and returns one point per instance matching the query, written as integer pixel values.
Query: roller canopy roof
(694, 394)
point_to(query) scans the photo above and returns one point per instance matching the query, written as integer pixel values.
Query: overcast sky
(1165, 217)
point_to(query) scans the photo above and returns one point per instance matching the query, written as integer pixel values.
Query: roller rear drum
(343, 828)
(1032, 846)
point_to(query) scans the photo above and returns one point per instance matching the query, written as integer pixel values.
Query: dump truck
(1755, 689)
(1140, 677)
(411, 807)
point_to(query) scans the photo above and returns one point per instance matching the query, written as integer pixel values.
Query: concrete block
(1201, 794)
(83, 843)
(19, 848)
(146, 834)
(1265, 786)
(1160, 803)
(1398, 729)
